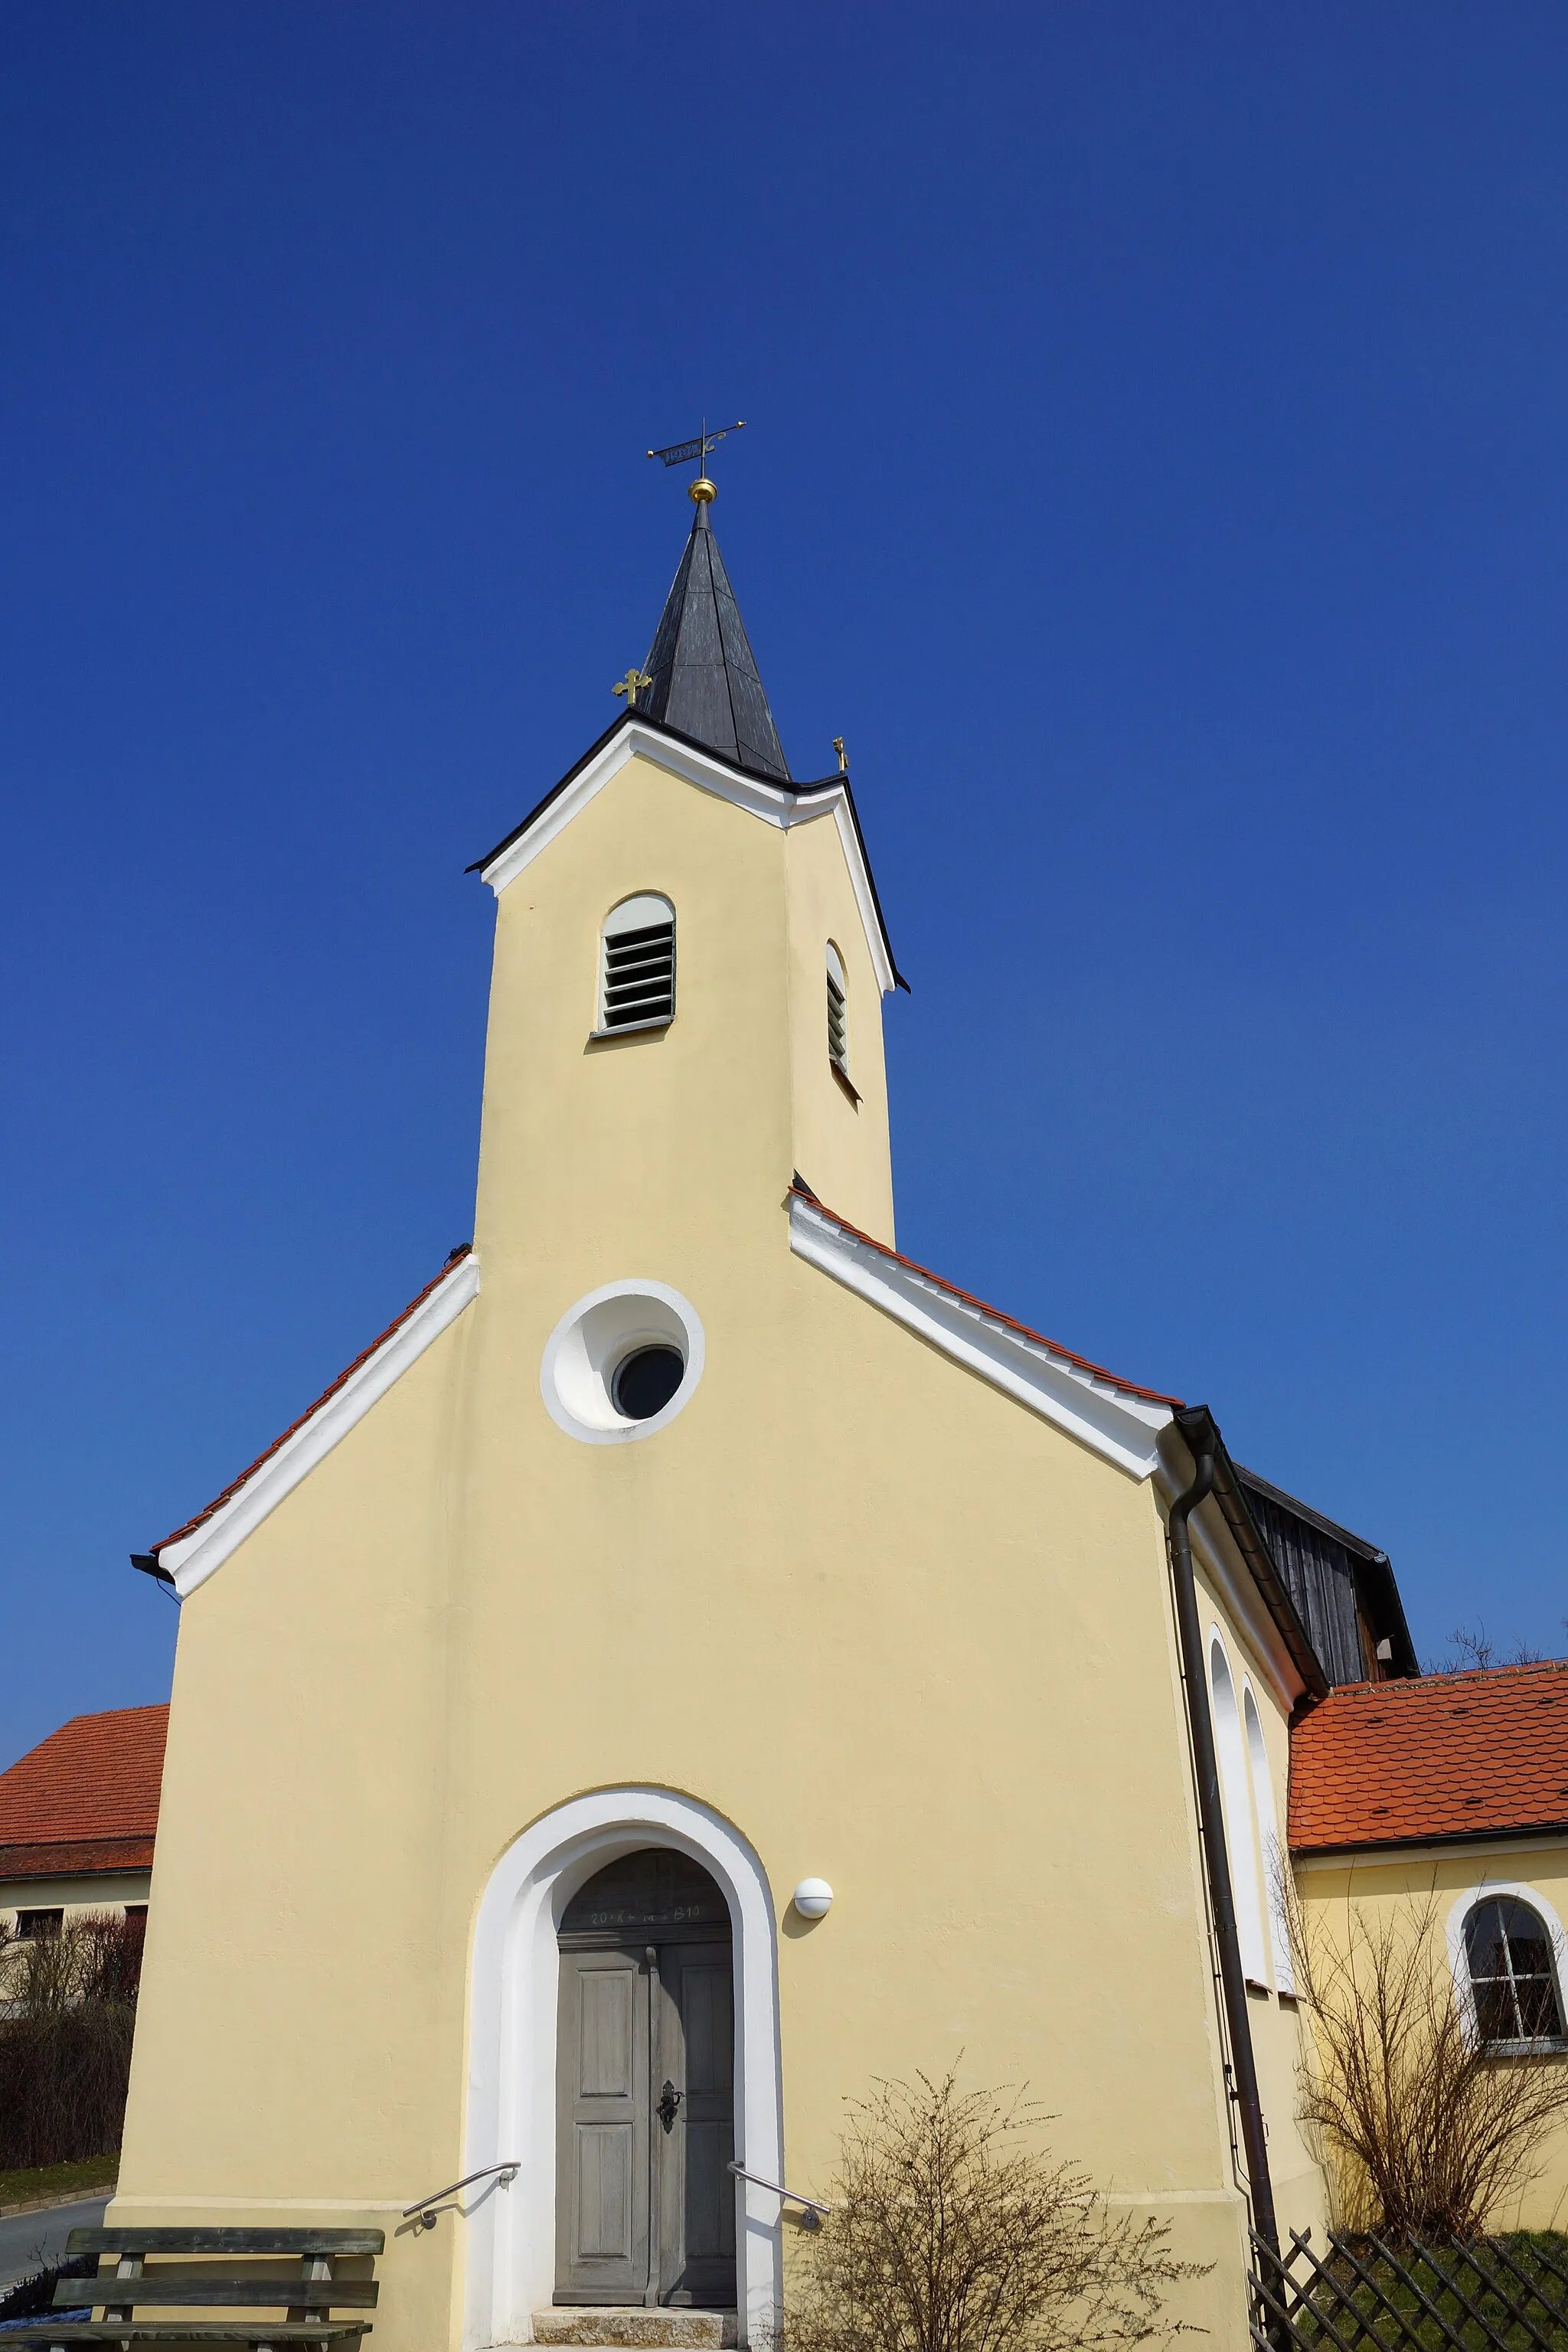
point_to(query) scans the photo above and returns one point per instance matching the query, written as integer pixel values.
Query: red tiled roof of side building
(1483, 1754)
(994, 1314)
(96, 1779)
(234, 1485)
(86, 1859)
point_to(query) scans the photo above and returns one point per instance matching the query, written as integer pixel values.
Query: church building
(698, 1660)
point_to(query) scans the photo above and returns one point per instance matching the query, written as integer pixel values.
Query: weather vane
(677, 453)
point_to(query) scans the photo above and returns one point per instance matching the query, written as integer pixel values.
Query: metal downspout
(1211, 1820)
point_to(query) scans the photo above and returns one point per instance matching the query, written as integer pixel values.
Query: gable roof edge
(1114, 1419)
(1196, 1427)
(197, 1552)
(784, 805)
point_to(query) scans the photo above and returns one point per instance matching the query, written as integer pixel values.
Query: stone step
(633, 2327)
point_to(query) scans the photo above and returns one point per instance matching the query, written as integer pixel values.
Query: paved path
(27, 2240)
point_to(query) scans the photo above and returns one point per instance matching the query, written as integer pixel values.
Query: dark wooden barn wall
(1321, 1579)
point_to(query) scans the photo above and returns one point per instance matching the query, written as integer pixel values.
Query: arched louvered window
(838, 1012)
(1514, 1979)
(1237, 1798)
(636, 987)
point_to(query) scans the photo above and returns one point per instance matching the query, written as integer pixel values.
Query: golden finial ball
(702, 491)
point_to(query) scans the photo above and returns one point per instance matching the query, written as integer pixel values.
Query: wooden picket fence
(1365, 2295)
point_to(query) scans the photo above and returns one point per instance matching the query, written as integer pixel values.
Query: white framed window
(1507, 1949)
(838, 1012)
(1236, 1796)
(636, 965)
(1274, 1894)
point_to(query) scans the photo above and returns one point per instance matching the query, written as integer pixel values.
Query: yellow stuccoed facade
(1349, 1901)
(872, 1618)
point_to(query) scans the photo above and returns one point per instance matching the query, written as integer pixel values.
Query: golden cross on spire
(632, 685)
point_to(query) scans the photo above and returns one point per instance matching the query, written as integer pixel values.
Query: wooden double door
(645, 2202)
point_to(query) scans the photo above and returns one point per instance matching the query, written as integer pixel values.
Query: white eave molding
(193, 1560)
(1123, 1428)
(771, 802)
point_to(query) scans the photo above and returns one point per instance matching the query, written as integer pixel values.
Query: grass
(1542, 2256)
(60, 2179)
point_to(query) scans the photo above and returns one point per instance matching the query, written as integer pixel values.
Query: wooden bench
(306, 2295)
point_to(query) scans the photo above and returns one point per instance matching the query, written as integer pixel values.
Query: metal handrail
(421, 2205)
(811, 2204)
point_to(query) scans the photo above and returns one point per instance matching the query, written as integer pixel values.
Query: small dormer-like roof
(705, 681)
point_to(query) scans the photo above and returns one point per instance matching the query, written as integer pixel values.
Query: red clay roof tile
(83, 1861)
(1483, 1754)
(92, 1784)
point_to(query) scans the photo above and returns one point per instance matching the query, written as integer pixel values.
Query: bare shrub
(1428, 2133)
(1471, 1647)
(67, 2013)
(952, 2230)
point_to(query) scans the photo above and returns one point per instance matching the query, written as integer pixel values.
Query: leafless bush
(952, 2230)
(1428, 2133)
(1471, 1646)
(67, 2012)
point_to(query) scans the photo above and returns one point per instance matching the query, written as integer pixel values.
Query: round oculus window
(622, 1363)
(646, 1380)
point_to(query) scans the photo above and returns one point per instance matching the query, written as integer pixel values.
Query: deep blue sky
(1155, 468)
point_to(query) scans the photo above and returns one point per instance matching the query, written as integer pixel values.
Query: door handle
(669, 2104)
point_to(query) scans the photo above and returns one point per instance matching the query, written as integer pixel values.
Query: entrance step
(633, 2327)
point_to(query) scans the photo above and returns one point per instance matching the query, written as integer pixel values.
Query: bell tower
(690, 967)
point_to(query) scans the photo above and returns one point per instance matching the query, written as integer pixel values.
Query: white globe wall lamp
(813, 1899)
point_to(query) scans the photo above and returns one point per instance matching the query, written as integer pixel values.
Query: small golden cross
(838, 747)
(632, 685)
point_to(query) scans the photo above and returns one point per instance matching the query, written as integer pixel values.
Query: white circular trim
(594, 1337)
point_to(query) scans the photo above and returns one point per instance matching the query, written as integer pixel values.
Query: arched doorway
(644, 2203)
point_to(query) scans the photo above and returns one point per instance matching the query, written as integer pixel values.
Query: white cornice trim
(193, 1560)
(1124, 1429)
(774, 805)
(1401, 1854)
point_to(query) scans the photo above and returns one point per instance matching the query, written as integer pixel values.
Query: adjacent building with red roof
(79, 1815)
(1438, 1807)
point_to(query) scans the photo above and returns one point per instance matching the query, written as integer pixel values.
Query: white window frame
(644, 901)
(1494, 1890)
(1236, 1792)
(837, 976)
(1275, 1898)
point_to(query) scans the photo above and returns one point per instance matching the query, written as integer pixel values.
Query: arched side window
(1274, 1891)
(1516, 2000)
(1237, 1800)
(637, 979)
(838, 1012)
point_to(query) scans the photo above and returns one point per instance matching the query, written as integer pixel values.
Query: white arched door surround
(1234, 1779)
(510, 2111)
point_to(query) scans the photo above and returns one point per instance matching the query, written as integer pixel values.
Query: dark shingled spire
(705, 681)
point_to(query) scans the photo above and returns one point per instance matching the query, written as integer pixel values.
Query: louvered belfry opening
(638, 985)
(837, 1015)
